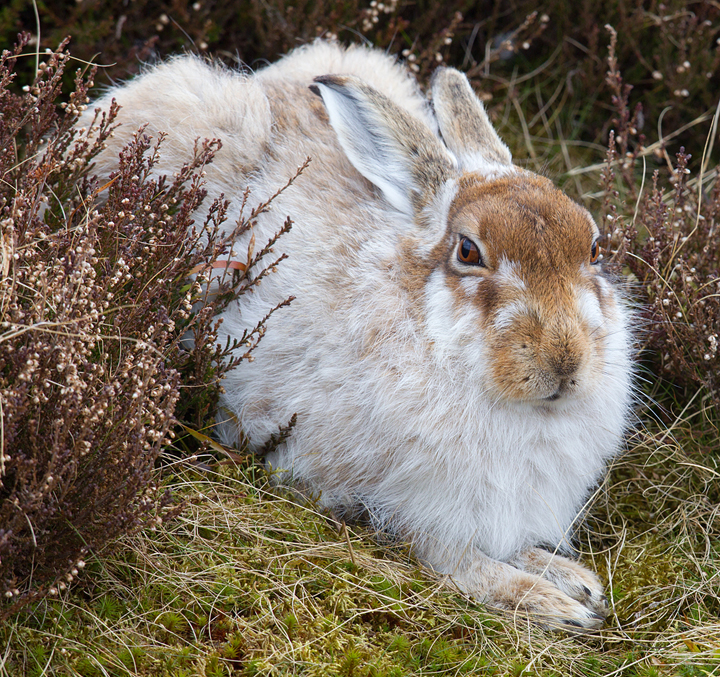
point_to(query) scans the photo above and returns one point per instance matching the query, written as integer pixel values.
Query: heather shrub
(672, 251)
(107, 328)
(662, 226)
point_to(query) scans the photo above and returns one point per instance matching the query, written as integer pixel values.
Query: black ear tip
(315, 90)
(334, 81)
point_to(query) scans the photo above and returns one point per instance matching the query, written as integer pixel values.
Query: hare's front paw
(575, 602)
(570, 577)
(548, 605)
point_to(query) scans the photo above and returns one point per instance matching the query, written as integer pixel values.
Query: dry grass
(247, 580)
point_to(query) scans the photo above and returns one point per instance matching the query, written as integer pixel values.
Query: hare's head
(506, 264)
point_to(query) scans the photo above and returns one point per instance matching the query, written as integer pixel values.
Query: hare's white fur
(393, 384)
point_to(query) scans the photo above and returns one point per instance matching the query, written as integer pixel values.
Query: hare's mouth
(567, 386)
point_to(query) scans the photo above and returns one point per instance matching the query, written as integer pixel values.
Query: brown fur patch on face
(488, 296)
(525, 218)
(536, 246)
(414, 270)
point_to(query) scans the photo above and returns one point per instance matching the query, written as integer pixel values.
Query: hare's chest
(533, 490)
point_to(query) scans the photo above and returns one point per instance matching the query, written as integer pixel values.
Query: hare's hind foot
(555, 596)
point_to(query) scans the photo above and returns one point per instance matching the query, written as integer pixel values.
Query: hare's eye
(469, 253)
(594, 252)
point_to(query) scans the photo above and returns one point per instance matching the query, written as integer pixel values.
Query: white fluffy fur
(393, 409)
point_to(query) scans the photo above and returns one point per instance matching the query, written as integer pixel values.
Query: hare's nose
(563, 349)
(564, 364)
(566, 385)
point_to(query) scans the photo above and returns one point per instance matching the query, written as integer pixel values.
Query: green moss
(86, 667)
(129, 661)
(229, 606)
(108, 608)
(351, 662)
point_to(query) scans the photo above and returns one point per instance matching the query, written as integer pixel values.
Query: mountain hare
(458, 362)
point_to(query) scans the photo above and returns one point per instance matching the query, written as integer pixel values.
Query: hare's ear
(465, 126)
(389, 147)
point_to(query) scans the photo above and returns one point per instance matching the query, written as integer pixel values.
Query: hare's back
(377, 69)
(187, 98)
(268, 121)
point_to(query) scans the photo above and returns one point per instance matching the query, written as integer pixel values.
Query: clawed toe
(568, 576)
(559, 595)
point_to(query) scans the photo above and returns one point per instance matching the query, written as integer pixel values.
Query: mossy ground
(247, 581)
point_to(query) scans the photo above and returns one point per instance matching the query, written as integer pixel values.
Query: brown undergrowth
(101, 349)
(548, 54)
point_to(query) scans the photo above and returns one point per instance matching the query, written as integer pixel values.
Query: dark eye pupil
(466, 248)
